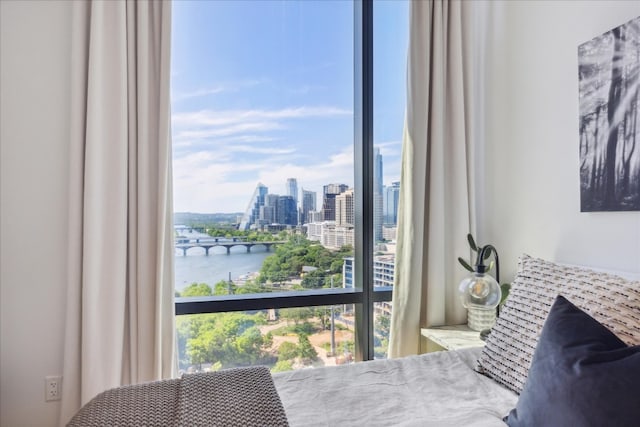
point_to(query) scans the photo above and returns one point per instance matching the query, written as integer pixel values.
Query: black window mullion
(363, 141)
(246, 302)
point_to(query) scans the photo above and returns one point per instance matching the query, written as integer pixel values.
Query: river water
(210, 269)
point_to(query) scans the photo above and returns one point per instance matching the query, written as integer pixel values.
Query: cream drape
(435, 208)
(119, 325)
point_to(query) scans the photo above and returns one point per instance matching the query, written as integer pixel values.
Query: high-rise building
(268, 212)
(292, 189)
(389, 232)
(286, 211)
(267, 215)
(383, 271)
(377, 195)
(315, 216)
(330, 192)
(344, 209)
(390, 203)
(330, 235)
(308, 205)
(252, 214)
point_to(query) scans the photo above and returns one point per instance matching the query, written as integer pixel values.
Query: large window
(285, 198)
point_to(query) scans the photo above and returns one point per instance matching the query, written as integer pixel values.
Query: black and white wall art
(609, 85)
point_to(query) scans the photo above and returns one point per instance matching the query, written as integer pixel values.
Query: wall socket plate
(52, 388)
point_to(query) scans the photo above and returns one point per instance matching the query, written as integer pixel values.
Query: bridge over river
(206, 244)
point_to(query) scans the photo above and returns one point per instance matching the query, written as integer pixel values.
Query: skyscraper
(390, 203)
(344, 209)
(330, 191)
(308, 205)
(292, 189)
(252, 214)
(268, 212)
(286, 211)
(377, 195)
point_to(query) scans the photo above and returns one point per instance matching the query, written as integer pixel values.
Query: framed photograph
(609, 86)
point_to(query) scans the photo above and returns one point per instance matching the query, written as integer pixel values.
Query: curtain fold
(120, 311)
(436, 198)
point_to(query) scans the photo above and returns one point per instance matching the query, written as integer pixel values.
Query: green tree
(233, 339)
(187, 328)
(322, 313)
(299, 314)
(336, 266)
(381, 336)
(250, 287)
(306, 349)
(290, 257)
(305, 327)
(313, 279)
(197, 350)
(282, 366)
(197, 290)
(249, 346)
(287, 351)
(223, 287)
(283, 235)
(383, 325)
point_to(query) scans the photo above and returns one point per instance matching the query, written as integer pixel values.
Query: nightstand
(454, 337)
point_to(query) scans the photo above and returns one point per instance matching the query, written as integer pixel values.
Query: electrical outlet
(52, 388)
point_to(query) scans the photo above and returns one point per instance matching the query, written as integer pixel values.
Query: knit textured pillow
(611, 300)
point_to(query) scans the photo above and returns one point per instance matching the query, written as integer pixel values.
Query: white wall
(532, 193)
(34, 123)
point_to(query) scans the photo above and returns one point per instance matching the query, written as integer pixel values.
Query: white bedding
(435, 389)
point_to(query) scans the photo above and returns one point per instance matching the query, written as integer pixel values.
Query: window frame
(363, 295)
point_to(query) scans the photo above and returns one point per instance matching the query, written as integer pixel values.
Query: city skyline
(267, 210)
(276, 103)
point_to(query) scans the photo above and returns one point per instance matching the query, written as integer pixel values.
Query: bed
(434, 389)
(582, 368)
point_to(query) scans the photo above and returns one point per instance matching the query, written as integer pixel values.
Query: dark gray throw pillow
(581, 375)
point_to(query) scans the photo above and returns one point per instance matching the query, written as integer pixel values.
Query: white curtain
(120, 312)
(436, 205)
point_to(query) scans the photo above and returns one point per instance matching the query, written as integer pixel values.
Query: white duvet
(435, 389)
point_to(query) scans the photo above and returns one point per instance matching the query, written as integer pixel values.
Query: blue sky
(262, 91)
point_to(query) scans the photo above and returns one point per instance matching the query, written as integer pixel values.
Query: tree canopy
(232, 339)
(289, 258)
(196, 290)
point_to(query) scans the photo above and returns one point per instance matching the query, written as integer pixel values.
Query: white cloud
(213, 90)
(389, 148)
(228, 117)
(179, 96)
(212, 170)
(202, 184)
(239, 128)
(260, 150)
(305, 89)
(219, 181)
(338, 168)
(245, 126)
(222, 141)
(202, 180)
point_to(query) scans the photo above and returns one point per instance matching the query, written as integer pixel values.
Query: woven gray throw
(231, 398)
(140, 405)
(234, 397)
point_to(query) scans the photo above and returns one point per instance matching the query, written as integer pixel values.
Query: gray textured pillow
(611, 300)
